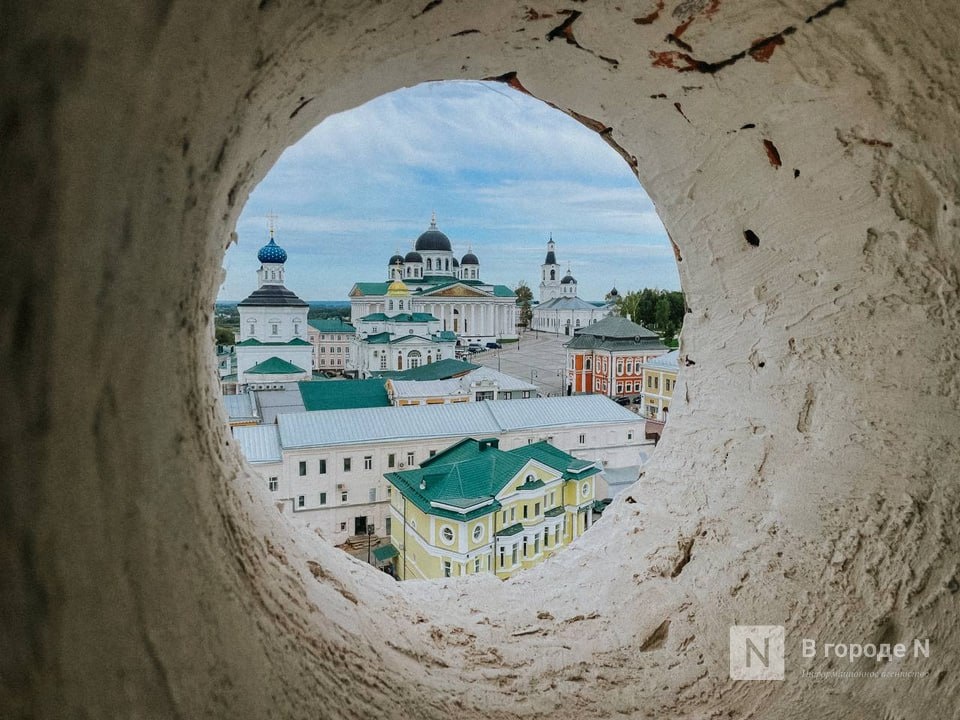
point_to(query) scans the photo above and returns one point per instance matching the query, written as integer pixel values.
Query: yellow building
(474, 508)
(659, 382)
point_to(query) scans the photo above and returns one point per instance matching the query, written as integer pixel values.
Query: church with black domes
(445, 292)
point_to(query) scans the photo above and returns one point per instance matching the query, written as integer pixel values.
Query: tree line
(659, 310)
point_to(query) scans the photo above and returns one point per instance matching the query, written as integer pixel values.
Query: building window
(372, 495)
(503, 552)
(272, 484)
(323, 498)
(409, 458)
(383, 361)
(275, 329)
(478, 533)
(387, 526)
(368, 462)
(588, 365)
(343, 527)
(583, 438)
(346, 464)
(525, 394)
(432, 453)
(391, 460)
(413, 359)
(546, 537)
(620, 368)
(524, 511)
(514, 555)
(343, 497)
(629, 434)
(301, 501)
(513, 514)
(536, 510)
(585, 489)
(446, 534)
(446, 568)
(476, 565)
(536, 545)
(556, 535)
(303, 468)
(252, 330)
(323, 467)
(524, 546)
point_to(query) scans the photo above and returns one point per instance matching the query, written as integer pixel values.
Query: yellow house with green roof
(475, 508)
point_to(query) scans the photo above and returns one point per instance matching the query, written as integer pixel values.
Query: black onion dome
(433, 240)
(469, 259)
(614, 293)
(567, 279)
(456, 263)
(413, 257)
(396, 260)
(551, 258)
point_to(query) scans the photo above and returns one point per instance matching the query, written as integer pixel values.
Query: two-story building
(607, 357)
(474, 508)
(660, 380)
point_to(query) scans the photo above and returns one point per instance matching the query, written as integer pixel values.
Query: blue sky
(502, 171)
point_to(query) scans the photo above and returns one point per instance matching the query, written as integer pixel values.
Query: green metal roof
(616, 327)
(332, 325)
(503, 291)
(344, 394)
(382, 338)
(511, 530)
(439, 370)
(369, 288)
(274, 366)
(253, 342)
(382, 554)
(554, 511)
(400, 317)
(471, 473)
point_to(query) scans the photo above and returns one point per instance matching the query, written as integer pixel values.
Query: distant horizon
(504, 173)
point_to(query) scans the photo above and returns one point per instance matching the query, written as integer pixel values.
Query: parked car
(474, 348)
(494, 345)
(622, 400)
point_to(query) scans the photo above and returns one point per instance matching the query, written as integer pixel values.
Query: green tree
(224, 336)
(524, 300)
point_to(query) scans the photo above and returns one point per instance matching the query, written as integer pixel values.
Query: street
(538, 358)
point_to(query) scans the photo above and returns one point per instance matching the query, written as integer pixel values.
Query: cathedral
(560, 310)
(273, 347)
(446, 295)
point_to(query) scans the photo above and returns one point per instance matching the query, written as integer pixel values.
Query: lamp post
(369, 540)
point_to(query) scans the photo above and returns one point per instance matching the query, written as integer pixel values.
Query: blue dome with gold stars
(272, 253)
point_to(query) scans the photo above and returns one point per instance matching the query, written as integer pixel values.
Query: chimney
(488, 443)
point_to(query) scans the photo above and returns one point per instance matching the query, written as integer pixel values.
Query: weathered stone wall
(803, 157)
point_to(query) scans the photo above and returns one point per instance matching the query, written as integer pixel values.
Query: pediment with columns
(458, 291)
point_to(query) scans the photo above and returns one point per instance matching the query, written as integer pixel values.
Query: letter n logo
(756, 652)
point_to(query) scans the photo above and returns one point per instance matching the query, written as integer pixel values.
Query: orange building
(607, 358)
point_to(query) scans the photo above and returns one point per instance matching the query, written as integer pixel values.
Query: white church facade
(443, 287)
(560, 311)
(273, 345)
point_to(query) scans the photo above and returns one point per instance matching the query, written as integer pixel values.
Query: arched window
(553, 274)
(447, 264)
(413, 359)
(390, 304)
(588, 365)
(429, 264)
(401, 304)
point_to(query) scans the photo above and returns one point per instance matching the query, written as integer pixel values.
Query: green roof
(382, 554)
(616, 327)
(439, 370)
(400, 317)
(470, 474)
(252, 342)
(382, 338)
(274, 366)
(554, 511)
(503, 291)
(332, 325)
(344, 394)
(369, 288)
(591, 342)
(511, 529)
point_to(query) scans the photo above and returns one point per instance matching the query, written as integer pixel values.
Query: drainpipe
(404, 538)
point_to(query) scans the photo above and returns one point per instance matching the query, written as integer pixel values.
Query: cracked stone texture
(809, 473)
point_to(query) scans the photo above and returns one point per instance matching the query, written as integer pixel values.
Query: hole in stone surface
(391, 238)
(752, 238)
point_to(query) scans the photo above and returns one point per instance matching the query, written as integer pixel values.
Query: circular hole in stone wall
(468, 194)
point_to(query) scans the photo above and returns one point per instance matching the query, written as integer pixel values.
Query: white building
(326, 468)
(273, 346)
(441, 286)
(560, 311)
(399, 339)
(477, 385)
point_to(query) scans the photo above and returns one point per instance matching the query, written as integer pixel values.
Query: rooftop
(275, 366)
(273, 296)
(464, 480)
(344, 394)
(486, 419)
(332, 325)
(439, 370)
(670, 361)
(260, 443)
